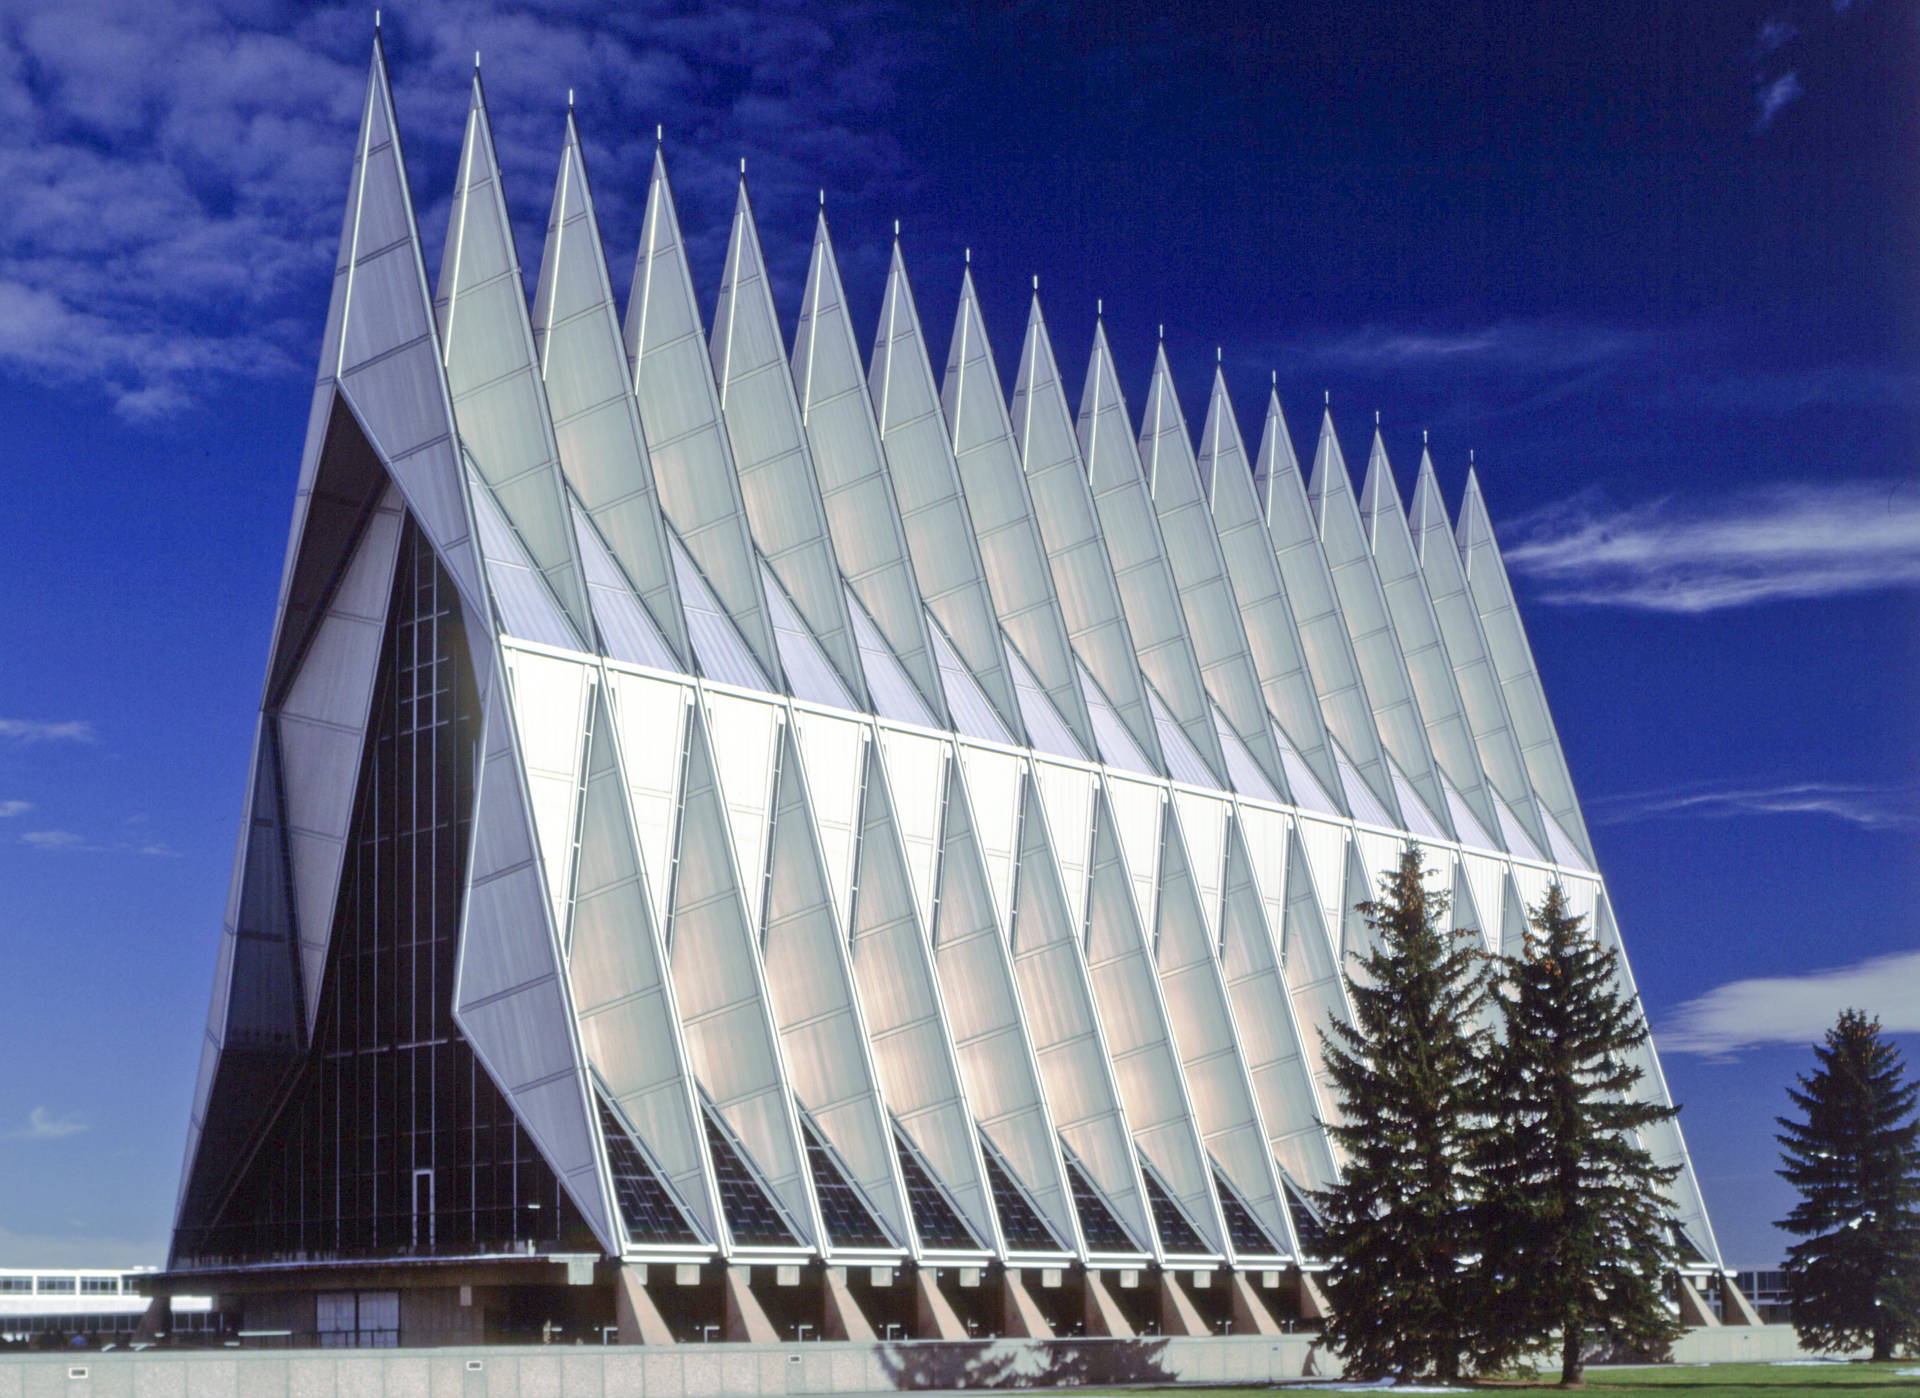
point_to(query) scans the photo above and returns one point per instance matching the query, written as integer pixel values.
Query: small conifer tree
(1575, 1232)
(1855, 1279)
(1406, 1071)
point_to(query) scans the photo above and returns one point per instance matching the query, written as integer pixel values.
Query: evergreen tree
(1406, 1069)
(1856, 1278)
(1575, 1230)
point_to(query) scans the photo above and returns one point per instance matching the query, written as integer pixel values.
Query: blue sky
(1653, 263)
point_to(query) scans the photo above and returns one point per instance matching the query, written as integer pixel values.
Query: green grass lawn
(1763, 1380)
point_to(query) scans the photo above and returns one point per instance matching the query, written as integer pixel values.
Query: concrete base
(1177, 1313)
(933, 1314)
(845, 1319)
(1104, 1316)
(745, 1320)
(1250, 1313)
(639, 1319)
(1020, 1314)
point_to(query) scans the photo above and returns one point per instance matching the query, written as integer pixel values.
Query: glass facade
(1103, 1232)
(646, 1206)
(850, 1223)
(1177, 1234)
(1243, 1229)
(390, 1139)
(1020, 1223)
(934, 1218)
(753, 1218)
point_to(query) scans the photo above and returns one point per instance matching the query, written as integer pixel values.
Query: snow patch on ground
(1808, 1363)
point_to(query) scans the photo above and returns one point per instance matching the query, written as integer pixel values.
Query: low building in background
(744, 845)
(95, 1306)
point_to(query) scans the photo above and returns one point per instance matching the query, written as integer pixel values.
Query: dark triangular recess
(1178, 1236)
(1020, 1222)
(1243, 1229)
(389, 1139)
(850, 1223)
(1098, 1223)
(753, 1218)
(647, 1206)
(1308, 1226)
(935, 1218)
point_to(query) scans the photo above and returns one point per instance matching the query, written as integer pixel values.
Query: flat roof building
(749, 841)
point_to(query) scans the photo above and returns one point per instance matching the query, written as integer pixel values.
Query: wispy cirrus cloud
(1544, 346)
(31, 730)
(10, 809)
(43, 1125)
(174, 171)
(1865, 807)
(1794, 1009)
(1777, 543)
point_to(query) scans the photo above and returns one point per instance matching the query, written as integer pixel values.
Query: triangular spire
(855, 489)
(1258, 591)
(777, 481)
(1486, 707)
(1429, 665)
(940, 534)
(493, 374)
(680, 410)
(1513, 661)
(603, 452)
(1018, 575)
(1199, 572)
(1335, 520)
(1138, 554)
(1063, 507)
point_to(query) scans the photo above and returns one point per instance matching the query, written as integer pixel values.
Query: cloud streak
(43, 1125)
(28, 730)
(1780, 543)
(1795, 1009)
(1866, 807)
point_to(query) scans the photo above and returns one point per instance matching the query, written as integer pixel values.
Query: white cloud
(27, 730)
(1773, 544)
(1795, 1009)
(1536, 346)
(174, 172)
(43, 1125)
(9, 809)
(54, 841)
(1868, 807)
(1775, 96)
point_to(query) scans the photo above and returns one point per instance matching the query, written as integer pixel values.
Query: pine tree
(1406, 1071)
(1856, 1278)
(1575, 1231)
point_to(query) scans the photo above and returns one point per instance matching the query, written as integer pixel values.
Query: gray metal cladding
(973, 795)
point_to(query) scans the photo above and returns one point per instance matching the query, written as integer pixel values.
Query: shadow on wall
(992, 1364)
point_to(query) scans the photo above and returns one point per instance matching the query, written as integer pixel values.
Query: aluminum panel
(1512, 660)
(972, 713)
(718, 646)
(1046, 730)
(809, 978)
(616, 968)
(777, 482)
(1465, 822)
(1138, 809)
(680, 412)
(834, 752)
(1184, 763)
(1312, 974)
(893, 963)
(746, 762)
(810, 675)
(523, 604)
(916, 769)
(1112, 737)
(1063, 508)
(1244, 774)
(720, 986)
(650, 717)
(855, 490)
(1199, 572)
(550, 701)
(493, 374)
(627, 629)
(926, 483)
(1203, 831)
(996, 786)
(888, 687)
(1066, 798)
(1011, 548)
(1308, 794)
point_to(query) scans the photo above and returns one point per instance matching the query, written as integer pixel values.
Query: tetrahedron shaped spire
(1466, 645)
(1451, 737)
(493, 374)
(680, 410)
(1139, 557)
(926, 481)
(1070, 527)
(1363, 607)
(1200, 575)
(1257, 590)
(777, 480)
(603, 453)
(1018, 575)
(1513, 660)
(1272, 545)
(862, 513)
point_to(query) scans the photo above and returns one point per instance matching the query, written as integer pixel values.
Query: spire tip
(967, 256)
(476, 60)
(896, 229)
(659, 134)
(1036, 281)
(376, 21)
